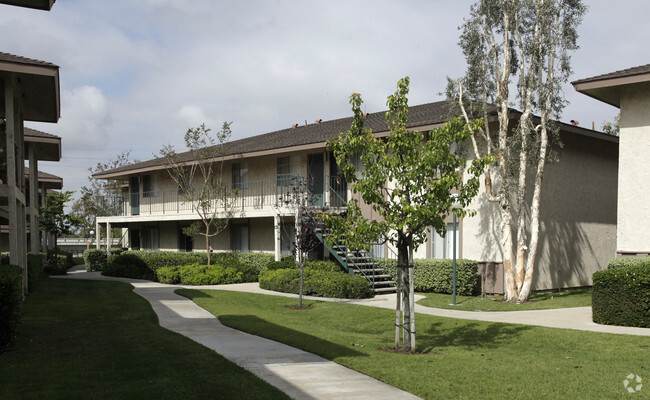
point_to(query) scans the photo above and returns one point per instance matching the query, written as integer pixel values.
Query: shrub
(11, 298)
(209, 275)
(78, 261)
(284, 263)
(621, 296)
(324, 266)
(257, 260)
(4, 258)
(56, 266)
(216, 274)
(157, 259)
(64, 258)
(34, 271)
(628, 262)
(127, 266)
(171, 275)
(95, 259)
(317, 282)
(436, 275)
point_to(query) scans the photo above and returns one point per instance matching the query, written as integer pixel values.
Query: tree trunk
(398, 308)
(402, 264)
(412, 297)
(302, 273)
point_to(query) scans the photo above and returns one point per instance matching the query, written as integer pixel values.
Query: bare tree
(199, 176)
(517, 51)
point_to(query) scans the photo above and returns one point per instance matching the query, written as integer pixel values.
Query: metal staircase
(360, 262)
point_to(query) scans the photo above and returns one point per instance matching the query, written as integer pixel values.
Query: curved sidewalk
(299, 374)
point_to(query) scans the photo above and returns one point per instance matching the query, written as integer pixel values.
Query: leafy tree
(408, 179)
(100, 195)
(308, 222)
(613, 128)
(199, 175)
(517, 52)
(53, 219)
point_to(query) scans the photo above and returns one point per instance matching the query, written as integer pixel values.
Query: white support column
(15, 165)
(109, 238)
(278, 237)
(43, 233)
(33, 201)
(98, 233)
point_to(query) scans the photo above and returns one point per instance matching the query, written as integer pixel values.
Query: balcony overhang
(38, 87)
(47, 147)
(45, 5)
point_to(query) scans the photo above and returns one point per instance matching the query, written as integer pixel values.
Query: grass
(99, 340)
(537, 301)
(460, 359)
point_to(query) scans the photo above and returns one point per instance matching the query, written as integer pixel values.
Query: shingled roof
(421, 115)
(6, 57)
(643, 69)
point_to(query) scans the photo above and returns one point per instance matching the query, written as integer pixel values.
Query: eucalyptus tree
(408, 180)
(517, 52)
(199, 175)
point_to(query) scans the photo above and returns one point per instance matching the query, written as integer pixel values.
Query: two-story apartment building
(578, 210)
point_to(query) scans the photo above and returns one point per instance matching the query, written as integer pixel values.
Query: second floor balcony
(280, 193)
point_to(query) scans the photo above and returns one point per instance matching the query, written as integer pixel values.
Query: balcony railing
(246, 196)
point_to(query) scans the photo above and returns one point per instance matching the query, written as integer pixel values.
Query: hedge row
(34, 270)
(317, 282)
(127, 266)
(11, 298)
(196, 274)
(436, 275)
(621, 295)
(628, 262)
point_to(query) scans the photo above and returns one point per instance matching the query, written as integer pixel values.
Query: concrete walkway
(299, 374)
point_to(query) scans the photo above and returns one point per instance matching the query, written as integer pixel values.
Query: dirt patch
(400, 351)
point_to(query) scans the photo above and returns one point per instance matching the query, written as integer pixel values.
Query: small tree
(199, 176)
(308, 222)
(612, 128)
(53, 219)
(529, 40)
(409, 181)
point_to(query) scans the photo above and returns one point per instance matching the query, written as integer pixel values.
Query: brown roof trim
(607, 87)
(45, 5)
(624, 73)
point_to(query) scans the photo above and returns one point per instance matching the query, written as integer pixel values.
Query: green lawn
(99, 340)
(537, 301)
(462, 359)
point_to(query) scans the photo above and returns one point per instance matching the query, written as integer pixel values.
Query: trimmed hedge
(127, 266)
(317, 282)
(11, 298)
(436, 275)
(628, 262)
(621, 295)
(216, 274)
(95, 259)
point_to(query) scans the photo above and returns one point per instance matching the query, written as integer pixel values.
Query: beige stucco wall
(633, 232)
(578, 216)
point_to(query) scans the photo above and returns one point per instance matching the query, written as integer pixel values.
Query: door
(135, 196)
(315, 175)
(338, 187)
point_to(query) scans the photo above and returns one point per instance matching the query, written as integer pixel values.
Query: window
(443, 247)
(149, 186)
(240, 175)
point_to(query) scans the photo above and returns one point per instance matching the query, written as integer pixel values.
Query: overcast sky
(135, 74)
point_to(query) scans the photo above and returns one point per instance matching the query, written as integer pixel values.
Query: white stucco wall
(633, 231)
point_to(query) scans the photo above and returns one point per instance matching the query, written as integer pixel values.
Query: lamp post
(454, 206)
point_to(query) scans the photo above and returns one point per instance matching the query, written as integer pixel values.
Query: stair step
(385, 283)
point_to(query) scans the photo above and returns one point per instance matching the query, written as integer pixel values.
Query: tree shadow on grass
(467, 334)
(256, 326)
